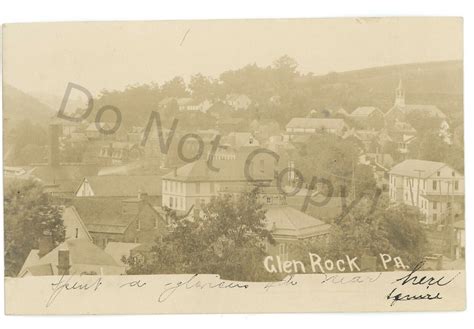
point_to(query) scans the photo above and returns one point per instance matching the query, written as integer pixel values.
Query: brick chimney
(45, 244)
(63, 262)
(54, 132)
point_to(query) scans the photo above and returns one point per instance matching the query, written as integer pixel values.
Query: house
(73, 256)
(400, 109)
(460, 239)
(190, 104)
(240, 139)
(227, 125)
(118, 153)
(195, 183)
(220, 110)
(120, 250)
(75, 227)
(133, 220)
(238, 101)
(288, 226)
(368, 116)
(435, 188)
(92, 131)
(305, 126)
(184, 102)
(120, 186)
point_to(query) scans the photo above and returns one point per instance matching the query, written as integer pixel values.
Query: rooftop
(316, 123)
(417, 168)
(124, 186)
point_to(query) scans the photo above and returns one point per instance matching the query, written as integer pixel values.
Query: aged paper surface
(239, 166)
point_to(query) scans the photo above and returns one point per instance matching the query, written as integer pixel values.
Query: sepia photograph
(206, 166)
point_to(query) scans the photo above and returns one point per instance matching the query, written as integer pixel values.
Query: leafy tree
(364, 180)
(226, 238)
(395, 231)
(204, 87)
(330, 157)
(28, 215)
(175, 87)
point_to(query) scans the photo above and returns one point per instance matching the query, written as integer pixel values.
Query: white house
(433, 187)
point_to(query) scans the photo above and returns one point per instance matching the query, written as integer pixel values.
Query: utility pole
(419, 171)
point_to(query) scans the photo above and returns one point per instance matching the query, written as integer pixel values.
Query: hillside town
(118, 194)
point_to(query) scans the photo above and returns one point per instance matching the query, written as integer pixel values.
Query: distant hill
(438, 83)
(18, 105)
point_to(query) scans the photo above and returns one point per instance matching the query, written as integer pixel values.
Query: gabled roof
(292, 223)
(316, 123)
(103, 214)
(82, 252)
(123, 185)
(365, 111)
(431, 110)
(410, 168)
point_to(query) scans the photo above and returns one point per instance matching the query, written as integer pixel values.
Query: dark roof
(124, 186)
(102, 214)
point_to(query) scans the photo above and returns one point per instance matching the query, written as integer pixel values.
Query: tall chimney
(63, 262)
(54, 130)
(45, 244)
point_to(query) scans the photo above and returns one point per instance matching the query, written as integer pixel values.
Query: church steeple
(400, 95)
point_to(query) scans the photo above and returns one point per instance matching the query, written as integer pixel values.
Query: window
(456, 185)
(198, 188)
(435, 205)
(166, 185)
(435, 185)
(435, 217)
(282, 248)
(438, 173)
(77, 232)
(138, 224)
(171, 202)
(179, 187)
(269, 200)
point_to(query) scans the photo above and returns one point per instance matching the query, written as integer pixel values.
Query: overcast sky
(43, 58)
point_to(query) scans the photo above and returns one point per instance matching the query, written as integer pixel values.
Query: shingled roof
(287, 221)
(103, 214)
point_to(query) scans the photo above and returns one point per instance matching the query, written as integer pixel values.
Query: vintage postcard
(234, 166)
